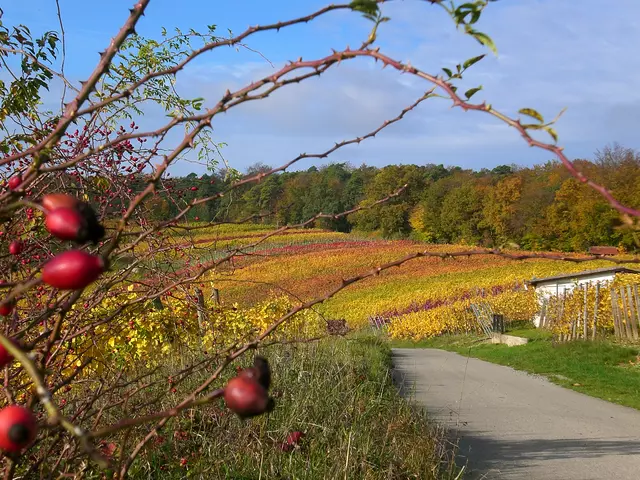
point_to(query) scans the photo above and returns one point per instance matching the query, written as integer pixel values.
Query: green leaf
(531, 113)
(368, 7)
(447, 71)
(553, 134)
(472, 91)
(485, 40)
(473, 60)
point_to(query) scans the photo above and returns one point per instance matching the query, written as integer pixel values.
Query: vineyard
(271, 274)
(420, 299)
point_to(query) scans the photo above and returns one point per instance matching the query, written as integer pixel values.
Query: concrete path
(512, 425)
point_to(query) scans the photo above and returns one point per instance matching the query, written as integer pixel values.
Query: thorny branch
(44, 164)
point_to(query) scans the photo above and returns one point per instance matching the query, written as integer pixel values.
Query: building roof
(586, 273)
(603, 250)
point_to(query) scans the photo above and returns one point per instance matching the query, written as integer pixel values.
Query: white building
(559, 284)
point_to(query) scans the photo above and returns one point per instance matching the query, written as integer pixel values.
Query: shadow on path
(511, 425)
(492, 457)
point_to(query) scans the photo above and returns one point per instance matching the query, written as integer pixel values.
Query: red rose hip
(72, 270)
(7, 308)
(15, 182)
(71, 219)
(16, 247)
(53, 201)
(17, 428)
(246, 397)
(5, 356)
(65, 223)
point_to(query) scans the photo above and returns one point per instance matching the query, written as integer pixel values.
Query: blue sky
(552, 54)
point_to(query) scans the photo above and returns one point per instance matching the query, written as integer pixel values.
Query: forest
(534, 208)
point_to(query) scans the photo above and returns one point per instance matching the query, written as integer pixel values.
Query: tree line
(534, 208)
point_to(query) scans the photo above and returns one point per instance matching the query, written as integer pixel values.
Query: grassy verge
(601, 369)
(340, 395)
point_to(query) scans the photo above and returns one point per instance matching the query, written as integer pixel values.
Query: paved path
(513, 425)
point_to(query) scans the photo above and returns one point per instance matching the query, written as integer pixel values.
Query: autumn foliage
(126, 294)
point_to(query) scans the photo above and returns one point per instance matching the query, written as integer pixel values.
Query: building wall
(557, 287)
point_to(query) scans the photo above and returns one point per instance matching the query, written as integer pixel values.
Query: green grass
(531, 333)
(340, 394)
(601, 369)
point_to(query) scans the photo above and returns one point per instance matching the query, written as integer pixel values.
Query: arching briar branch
(483, 107)
(242, 96)
(162, 290)
(54, 414)
(128, 91)
(173, 412)
(260, 176)
(71, 110)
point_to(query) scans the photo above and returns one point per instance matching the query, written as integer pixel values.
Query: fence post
(543, 313)
(498, 323)
(616, 315)
(201, 310)
(561, 315)
(625, 313)
(216, 296)
(632, 313)
(595, 311)
(585, 317)
(637, 299)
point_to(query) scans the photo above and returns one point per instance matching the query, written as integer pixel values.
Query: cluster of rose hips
(66, 218)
